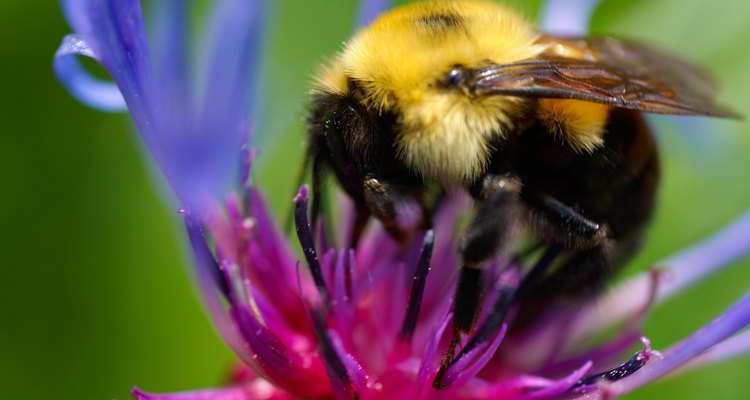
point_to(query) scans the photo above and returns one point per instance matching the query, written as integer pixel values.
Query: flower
(367, 322)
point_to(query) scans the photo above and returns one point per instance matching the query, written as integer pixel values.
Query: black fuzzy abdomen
(615, 185)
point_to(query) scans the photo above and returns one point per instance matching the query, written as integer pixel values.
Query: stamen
(304, 234)
(201, 250)
(417, 288)
(628, 368)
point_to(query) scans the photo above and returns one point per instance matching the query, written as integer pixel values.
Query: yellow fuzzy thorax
(398, 61)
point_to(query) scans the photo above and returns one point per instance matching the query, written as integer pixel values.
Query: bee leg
(557, 223)
(380, 197)
(498, 206)
(590, 257)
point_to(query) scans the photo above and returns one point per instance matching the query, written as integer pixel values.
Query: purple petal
(561, 386)
(91, 91)
(338, 375)
(258, 389)
(287, 369)
(444, 263)
(565, 17)
(462, 367)
(531, 387)
(427, 364)
(734, 319)
(344, 306)
(354, 369)
(369, 9)
(271, 260)
(470, 370)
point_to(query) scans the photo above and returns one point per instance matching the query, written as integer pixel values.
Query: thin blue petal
(205, 145)
(633, 297)
(733, 320)
(234, 34)
(91, 91)
(565, 17)
(114, 32)
(168, 39)
(369, 9)
(706, 258)
(736, 346)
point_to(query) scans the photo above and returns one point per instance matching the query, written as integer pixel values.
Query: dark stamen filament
(201, 250)
(634, 364)
(417, 287)
(304, 234)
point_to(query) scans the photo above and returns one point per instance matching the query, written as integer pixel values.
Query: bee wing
(609, 71)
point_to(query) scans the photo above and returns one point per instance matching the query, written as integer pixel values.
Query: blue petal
(193, 131)
(565, 17)
(205, 142)
(91, 91)
(733, 320)
(168, 38)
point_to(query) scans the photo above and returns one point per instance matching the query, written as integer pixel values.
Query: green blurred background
(97, 294)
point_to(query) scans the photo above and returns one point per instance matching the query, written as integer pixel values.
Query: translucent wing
(609, 71)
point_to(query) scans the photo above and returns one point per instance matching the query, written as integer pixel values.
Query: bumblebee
(546, 133)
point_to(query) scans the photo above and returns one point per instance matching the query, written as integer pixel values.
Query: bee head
(414, 62)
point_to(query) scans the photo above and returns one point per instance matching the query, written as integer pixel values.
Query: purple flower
(369, 322)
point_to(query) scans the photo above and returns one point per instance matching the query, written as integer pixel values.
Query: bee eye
(454, 78)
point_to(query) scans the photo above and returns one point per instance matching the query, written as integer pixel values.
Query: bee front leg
(382, 198)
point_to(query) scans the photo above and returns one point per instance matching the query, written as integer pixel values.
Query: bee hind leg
(498, 206)
(588, 264)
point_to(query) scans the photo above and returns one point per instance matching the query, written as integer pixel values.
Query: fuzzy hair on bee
(546, 133)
